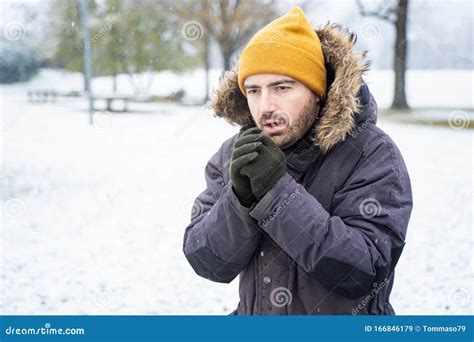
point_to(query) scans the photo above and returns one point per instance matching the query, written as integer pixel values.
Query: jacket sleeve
(360, 242)
(222, 236)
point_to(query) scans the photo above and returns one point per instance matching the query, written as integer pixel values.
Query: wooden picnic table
(110, 98)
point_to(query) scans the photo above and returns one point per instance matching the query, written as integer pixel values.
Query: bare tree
(196, 17)
(235, 21)
(229, 23)
(395, 12)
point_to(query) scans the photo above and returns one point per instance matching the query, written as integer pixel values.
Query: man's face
(282, 107)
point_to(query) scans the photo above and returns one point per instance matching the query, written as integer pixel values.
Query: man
(310, 201)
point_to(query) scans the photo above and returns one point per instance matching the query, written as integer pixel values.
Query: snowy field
(94, 216)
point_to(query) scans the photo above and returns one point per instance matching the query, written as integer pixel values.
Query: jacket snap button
(261, 253)
(267, 280)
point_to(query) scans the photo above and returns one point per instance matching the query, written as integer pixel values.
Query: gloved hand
(244, 152)
(267, 167)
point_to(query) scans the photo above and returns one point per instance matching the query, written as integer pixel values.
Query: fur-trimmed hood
(348, 98)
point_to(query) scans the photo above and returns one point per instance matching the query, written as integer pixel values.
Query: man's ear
(321, 105)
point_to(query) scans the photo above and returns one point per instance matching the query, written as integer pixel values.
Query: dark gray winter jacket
(326, 238)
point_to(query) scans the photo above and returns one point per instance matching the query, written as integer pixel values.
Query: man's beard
(296, 129)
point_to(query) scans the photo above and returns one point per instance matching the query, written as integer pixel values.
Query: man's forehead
(262, 80)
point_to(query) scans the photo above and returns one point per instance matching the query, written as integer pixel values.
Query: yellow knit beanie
(287, 46)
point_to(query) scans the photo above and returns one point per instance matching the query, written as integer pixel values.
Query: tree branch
(386, 12)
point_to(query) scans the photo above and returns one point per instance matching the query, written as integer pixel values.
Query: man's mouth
(272, 126)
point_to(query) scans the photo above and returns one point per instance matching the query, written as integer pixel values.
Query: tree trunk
(400, 60)
(206, 66)
(86, 88)
(114, 82)
(226, 55)
(207, 46)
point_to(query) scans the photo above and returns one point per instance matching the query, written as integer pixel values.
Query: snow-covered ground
(94, 216)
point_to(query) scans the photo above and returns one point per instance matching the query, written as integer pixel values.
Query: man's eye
(282, 88)
(252, 91)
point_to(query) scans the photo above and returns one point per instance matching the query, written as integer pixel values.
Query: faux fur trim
(338, 114)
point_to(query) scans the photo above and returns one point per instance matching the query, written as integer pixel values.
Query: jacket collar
(303, 153)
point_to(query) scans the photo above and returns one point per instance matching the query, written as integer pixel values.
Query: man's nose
(267, 103)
